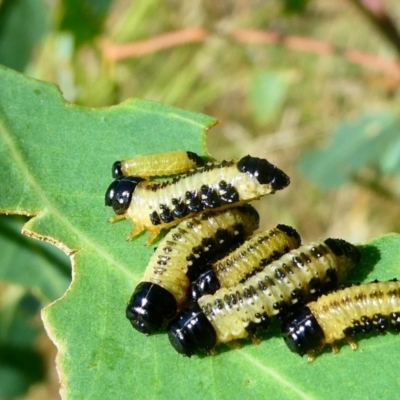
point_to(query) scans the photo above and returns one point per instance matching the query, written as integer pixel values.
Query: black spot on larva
(166, 215)
(219, 304)
(303, 334)
(395, 321)
(116, 170)
(332, 280)
(316, 252)
(229, 195)
(162, 260)
(262, 286)
(298, 262)
(263, 324)
(209, 167)
(279, 274)
(264, 172)
(316, 287)
(282, 307)
(222, 237)
(193, 202)
(195, 158)
(209, 197)
(154, 218)
(176, 236)
(297, 294)
(180, 210)
(222, 185)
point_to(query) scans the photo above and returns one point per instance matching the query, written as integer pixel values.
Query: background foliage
(330, 123)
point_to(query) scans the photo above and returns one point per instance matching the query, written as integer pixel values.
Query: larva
(158, 205)
(235, 312)
(170, 163)
(250, 257)
(179, 259)
(371, 307)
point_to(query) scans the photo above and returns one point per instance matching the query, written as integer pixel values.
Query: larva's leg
(254, 340)
(116, 218)
(351, 343)
(310, 356)
(152, 237)
(137, 231)
(234, 345)
(335, 350)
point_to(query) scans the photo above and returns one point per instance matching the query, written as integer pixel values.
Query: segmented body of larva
(158, 205)
(250, 257)
(162, 164)
(180, 257)
(231, 313)
(371, 307)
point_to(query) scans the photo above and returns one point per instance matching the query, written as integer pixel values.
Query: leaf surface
(58, 168)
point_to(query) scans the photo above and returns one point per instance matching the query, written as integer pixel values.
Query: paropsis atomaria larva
(161, 164)
(371, 307)
(250, 257)
(179, 259)
(235, 312)
(219, 185)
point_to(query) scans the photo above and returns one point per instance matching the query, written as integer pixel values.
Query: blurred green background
(311, 85)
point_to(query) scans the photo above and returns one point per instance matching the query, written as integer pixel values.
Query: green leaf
(355, 145)
(58, 168)
(36, 265)
(17, 37)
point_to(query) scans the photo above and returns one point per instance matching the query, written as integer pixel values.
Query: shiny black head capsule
(110, 193)
(119, 193)
(303, 334)
(206, 283)
(342, 248)
(291, 232)
(149, 306)
(116, 170)
(264, 172)
(191, 331)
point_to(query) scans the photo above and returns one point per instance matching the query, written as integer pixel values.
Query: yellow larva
(162, 164)
(371, 307)
(180, 257)
(154, 206)
(234, 312)
(252, 256)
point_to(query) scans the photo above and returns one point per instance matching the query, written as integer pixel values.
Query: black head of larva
(116, 170)
(342, 248)
(264, 172)
(303, 334)
(291, 232)
(119, 193)
(149, 306)
(191, 332)
(206, 283)
(251, 212)
(110, 193)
